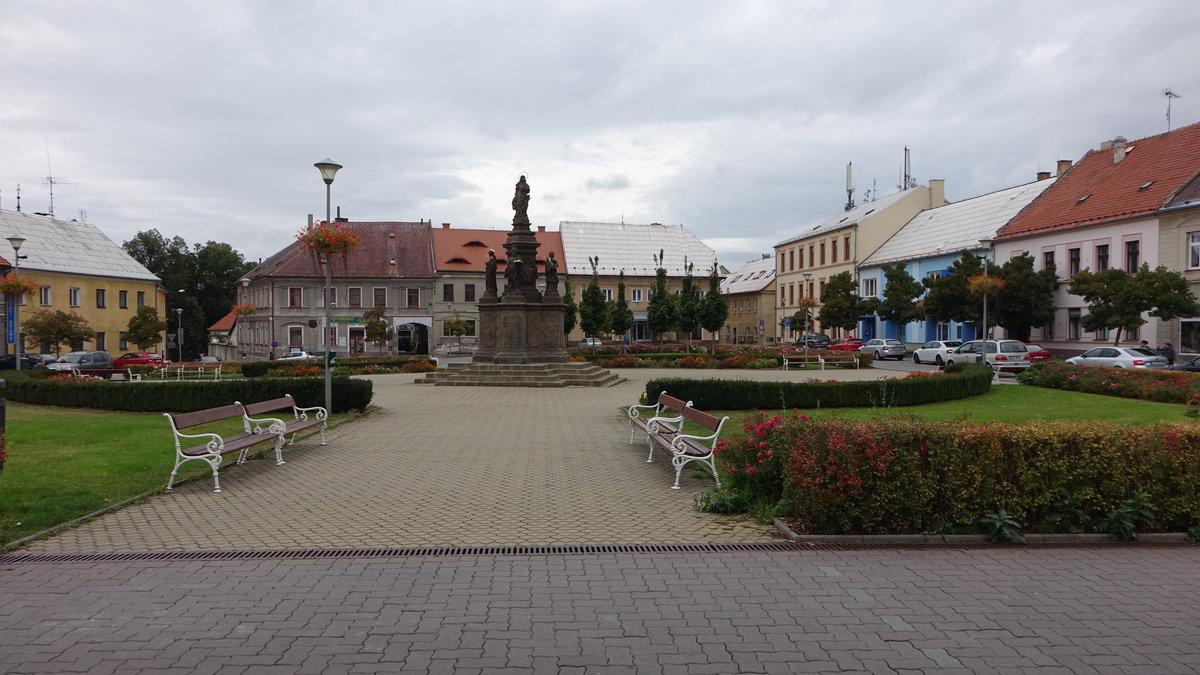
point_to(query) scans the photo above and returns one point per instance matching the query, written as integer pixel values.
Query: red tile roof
(385, 250)
(465, 250)
(226, 322)
(1096, 190)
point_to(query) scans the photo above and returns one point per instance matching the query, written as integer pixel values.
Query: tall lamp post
(179, 329)
(987, 244)
(16, 327)
(244, 344)
(807, 312)
(328, 169)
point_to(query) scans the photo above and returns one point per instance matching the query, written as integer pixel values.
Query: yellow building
(1179, 249)
(77, 268)
(805, 262)
(750, 292)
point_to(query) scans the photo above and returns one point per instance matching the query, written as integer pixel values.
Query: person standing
(1169, 352)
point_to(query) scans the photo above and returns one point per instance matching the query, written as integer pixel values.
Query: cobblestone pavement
(976, 611)
(448, 466)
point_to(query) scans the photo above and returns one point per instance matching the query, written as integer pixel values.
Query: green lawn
(64, 463)
(1007, 403)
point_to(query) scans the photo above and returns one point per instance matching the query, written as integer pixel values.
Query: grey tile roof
(847, 218)
(68, 247)
(751, 278)
(958, 226)
(632, 248)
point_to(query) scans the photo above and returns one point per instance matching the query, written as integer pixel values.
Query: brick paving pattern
(450, 466)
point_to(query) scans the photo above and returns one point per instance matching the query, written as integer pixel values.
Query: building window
(354, 297)
(1132, 256)
(1194, 250)
(792, 260)
(1048, 260)
(1101, 257)
(468, 292)
(379, 298)
(1134, 333)
(1102, 334)
(44, 295)
(869, 286)
(833, 251)
(141, 298)
(470, 328)
(327, 291)
(295, 336)
(447, 292)
(73, 297)
(846, 248)
(413, 297)
(122, 341)
(101, 298)
(333, 338)
(822, 253)
(811, 260)
(1072, 261)
(636, 294)
(1189, 336)
(1048, 329)
(1073, 315)
(295, 296)
(123, 299)
(608, 293)
(101, 342)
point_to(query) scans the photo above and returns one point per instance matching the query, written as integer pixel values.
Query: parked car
(1006, 353)
(935, 351)
(83, 360)
(1037, 353)
(206, 359)
(28, 361)
(1120, 357)
(1193, 365)
(296, 356)
(589, 342)
(815, 340)
(137, 359)
(884, 348)
(846, 344)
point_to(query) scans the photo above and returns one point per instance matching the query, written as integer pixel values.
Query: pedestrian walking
(1168, 351)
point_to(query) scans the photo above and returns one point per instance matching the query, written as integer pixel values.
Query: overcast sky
(736, 119)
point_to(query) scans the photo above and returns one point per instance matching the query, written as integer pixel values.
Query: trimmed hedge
(909, 475)
(1164, 386)
(350, 364)
(150, 396)
(714, 394)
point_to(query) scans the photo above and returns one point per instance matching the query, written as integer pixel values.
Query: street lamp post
(328, 169)
(179, 329)
(987, 244)
(16, 242)
(807, 312)
(243, 342)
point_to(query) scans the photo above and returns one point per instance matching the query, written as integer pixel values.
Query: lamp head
(16, 242)
(244, 282)
(328, 169)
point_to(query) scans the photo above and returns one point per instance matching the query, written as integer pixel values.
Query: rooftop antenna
(50, 179)
(18, 197)
(1170, 95)
(909, 181)
(849, 185)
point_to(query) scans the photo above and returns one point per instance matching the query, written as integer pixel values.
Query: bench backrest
(666, 402)
(268, 406)
(191, 419)
(702, 418)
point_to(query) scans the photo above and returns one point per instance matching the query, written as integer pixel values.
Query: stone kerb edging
(1064, 538)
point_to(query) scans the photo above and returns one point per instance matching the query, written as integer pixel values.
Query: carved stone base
(521, 332)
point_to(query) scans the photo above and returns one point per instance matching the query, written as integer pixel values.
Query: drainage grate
(585, 549)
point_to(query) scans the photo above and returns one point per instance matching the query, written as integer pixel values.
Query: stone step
(522, 375)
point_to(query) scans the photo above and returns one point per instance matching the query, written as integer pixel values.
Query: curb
(1090, 539)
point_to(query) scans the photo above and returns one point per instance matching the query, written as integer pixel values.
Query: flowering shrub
(1164, 386)
(296, 370)
(984, 284)
(419, 367)
(579, 359)
(244, 309)
(18, 286)
(1193, 406)
(692, 362)
(752, 464)
(736, 361)
(626, 361)
(923, 375)
(327, 239)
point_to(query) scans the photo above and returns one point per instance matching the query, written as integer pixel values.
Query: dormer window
(475, 243)
(1146, 186)
(1082, 199)
(460, 261)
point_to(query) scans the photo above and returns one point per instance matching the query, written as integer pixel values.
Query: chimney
(1063, 165)
(937, 192)
(310, 220)
(1043, 175)
(445, 226)
(337, 218)
(1118, 148)
(541, 228)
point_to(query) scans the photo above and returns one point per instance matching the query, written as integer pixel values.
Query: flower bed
(905, 476)
(1164, 386)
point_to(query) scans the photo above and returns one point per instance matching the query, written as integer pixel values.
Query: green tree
(947, 297)
(57, 328)
(662, 313)
(841, 305)
(145, 328)
(1027, 299)
(689, 302)
(715, 308)
(378, 330)
(899, 304)
(1117, 300)
(593, 312)
(570, 309)
(620, 317)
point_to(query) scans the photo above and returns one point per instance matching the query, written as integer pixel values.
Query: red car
(137, 359)
(1037, 353)
(846, 344)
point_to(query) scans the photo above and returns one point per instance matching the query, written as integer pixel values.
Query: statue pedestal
(521, 332)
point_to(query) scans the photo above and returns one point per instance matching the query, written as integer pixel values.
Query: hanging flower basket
(17, 286)
(984, 285)
(244, 309)
(325, 240)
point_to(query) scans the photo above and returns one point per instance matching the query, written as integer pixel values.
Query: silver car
(884, 348)
(935, 351)
(1120, 357)
(1005, 354)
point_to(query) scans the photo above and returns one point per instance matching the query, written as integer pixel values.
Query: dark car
(84, 360)
(817, 340)
(1192, 366)
(28, 361)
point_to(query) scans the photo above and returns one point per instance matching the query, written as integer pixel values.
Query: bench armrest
(319, 412)
(652, 424)
(254, 425)
(635, 410)
(215, 442)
